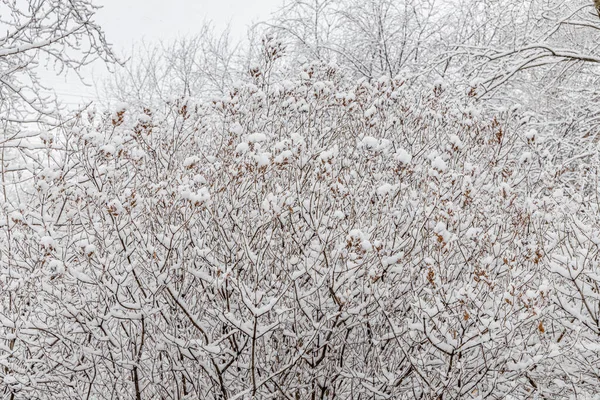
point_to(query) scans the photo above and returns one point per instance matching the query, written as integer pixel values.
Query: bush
(310, 237)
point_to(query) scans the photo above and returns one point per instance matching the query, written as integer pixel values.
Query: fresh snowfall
(365, 199)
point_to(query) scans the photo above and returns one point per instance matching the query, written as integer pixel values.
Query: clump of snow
(297, 139)
(16, 216)
(455, 141)
(392, 259)
(366, 245)
(236, 129)
(49, 173)
(403, 156)
(370, 143)
(89, 249)
(439, 164)
(370, 111)
(121, 106)
(326, 156)
(242, 148)
(190, 161)
(198, 198)
(284, 156)
(473, 233)
(319, 86)
(270, 203)
(385, 144)
(468, 167)
(356, 234)
(214, 349)
(262, 159)
(256, 137)
(199, 179)
(47, 242)
(526, 157)
(356, 237)
(531, 134)
(440, 227)
(385, 189)
(115, 207)
(108, 149)
(440, 83)
(281, 145)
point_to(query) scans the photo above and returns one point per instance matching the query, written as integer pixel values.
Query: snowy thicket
(311, 234)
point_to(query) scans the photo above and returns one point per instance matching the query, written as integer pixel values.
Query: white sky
(127, 22)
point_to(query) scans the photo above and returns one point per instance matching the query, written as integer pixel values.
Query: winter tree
(58, 34)
(201, 66)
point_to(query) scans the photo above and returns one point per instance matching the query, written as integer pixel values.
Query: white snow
(190, 161)
(385, 189)
(262, 159)
(366, 245)
(47, 241)
(526, 157)
(109, 149)
(370, 143)
(256, 137)
(370, 111)
(403, 156)
(455, 141)
(241, 148)
(531, 134)
(284, 156)
(439, 164)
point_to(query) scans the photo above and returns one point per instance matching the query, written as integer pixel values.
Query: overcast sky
(127, 22)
